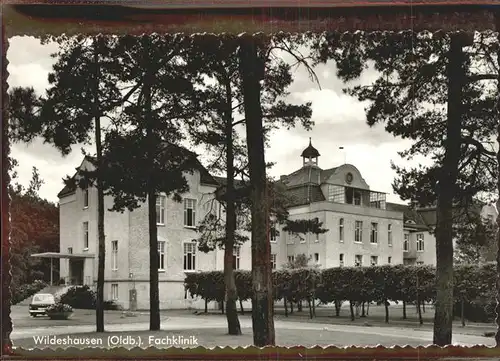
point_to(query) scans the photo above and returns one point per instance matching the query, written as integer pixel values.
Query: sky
(339, 122)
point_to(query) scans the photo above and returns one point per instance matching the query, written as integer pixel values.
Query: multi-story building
(127, 243)
(362, 231)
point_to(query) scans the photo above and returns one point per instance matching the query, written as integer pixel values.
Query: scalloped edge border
(378, 19)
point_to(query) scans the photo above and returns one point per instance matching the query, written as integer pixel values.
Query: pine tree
(429, 90)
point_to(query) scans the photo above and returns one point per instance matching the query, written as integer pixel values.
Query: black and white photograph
(175, 190)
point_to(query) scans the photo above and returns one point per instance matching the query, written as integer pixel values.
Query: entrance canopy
(63, 255)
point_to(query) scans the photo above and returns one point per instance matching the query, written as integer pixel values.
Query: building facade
(362, 231)
(127, 244)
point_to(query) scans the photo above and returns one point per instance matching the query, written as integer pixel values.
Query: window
(353, 196)
(389, 260)
(160, 210)
(236, 257)
(374, 233)
(273, 233)
(114, 291)
(389, 235)
(357, 198)
(291, 259)
(85, 198)
(70, 250)
(316, 258)
(336, 194)
(341, 229)
(114, 255)
(85, 235)
(358, 260)
(406, 242)
(189, 256)
(273, 260)
(358, 232)
(420, 242)
(189, 212)
(341, 259)
(373, 260)
(161, 255)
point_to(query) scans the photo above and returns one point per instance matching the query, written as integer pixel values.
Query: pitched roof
(205, 178)
(411, 216)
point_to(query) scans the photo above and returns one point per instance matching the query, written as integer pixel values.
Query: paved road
(326, 333)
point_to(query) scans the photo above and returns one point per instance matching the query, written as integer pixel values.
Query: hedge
(22, 292)
(474, 286)
(83, 297)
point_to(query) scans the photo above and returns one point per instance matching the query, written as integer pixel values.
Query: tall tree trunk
(386, 304)
(101, 239)
(154, 293)
(285, 303)
(443, 319)
(337, 308)
(252, 72)
(497, 335)
(419, 311)
(241, 307)
(462, 312)
(368, 309)
(352, 310)
(404, 310)
(233, 323)
(363, 310)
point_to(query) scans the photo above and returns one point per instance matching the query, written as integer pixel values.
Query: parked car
(40, 302)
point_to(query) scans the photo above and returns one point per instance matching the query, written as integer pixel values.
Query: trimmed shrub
(475, 285)
(81, 297)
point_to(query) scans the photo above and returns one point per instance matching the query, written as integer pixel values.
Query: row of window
(189, 211)
(189, 249)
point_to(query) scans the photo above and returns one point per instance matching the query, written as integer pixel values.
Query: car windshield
(43, 298)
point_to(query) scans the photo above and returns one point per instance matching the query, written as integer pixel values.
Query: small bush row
(473, 286)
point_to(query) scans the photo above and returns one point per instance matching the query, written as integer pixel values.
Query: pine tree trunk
(252, 72)
(497, 310)
(313, 306)
(337, 308)
(241, 307)
(363, 309)
(310, 308)
(423, 307)
(404, 310)
(351, 306)
(285, 303)
(233, 323)
(291, 307)
(101, 240)
(368, 309)
(462, 311)
(206, 305)
(419, 310)
(386, 304)
(154, 292)
(443, 319)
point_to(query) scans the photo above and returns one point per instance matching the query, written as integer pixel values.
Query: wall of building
(427, 256)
